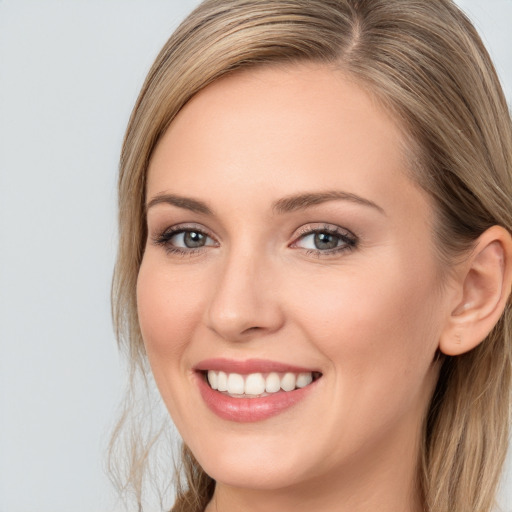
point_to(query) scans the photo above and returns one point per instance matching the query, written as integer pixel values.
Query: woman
(315, 255)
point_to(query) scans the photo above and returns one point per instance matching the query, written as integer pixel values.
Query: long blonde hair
(425, 62)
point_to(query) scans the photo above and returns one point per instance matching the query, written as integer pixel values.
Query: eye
(325, 239)
(184, 240)
(321, 241)
(189, 239)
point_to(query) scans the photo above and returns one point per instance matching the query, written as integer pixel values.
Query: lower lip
(245, 410)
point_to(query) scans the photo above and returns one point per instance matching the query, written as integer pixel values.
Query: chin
(270, 475)
(251, 467)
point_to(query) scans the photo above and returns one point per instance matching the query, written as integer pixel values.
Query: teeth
(222, 382)
(303, 379)
(288, 382)
(235, 384)
(213, 379)
(256, 384)
(273, 383)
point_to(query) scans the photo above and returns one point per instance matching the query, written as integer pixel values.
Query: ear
(484, 282)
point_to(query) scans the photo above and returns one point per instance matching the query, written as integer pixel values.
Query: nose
(245, 301)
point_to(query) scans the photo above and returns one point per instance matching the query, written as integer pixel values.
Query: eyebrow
(281, 206)
(303, 201)
(181, 202)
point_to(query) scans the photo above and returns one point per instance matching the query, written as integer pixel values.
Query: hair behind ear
(473, 394)
(466, 425)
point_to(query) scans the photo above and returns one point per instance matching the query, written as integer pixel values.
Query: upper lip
(248, 366)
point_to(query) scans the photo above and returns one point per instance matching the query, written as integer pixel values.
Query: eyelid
(315, 227)
(164, 236)
(350, 240)
(184, 226)
(346, 237)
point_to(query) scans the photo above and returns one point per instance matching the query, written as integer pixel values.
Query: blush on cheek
(391, 325)
(167, 313)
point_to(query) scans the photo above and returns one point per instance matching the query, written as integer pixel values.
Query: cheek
(378, 325)
(167, 309)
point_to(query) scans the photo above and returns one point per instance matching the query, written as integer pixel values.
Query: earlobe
(485, 281)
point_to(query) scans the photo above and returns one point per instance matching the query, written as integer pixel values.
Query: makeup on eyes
(184, 239)
(325, 226)
(325, 238)
(320, 239)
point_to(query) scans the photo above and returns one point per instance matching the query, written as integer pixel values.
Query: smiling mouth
(258, 385)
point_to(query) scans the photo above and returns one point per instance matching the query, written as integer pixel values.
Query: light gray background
(69, 74)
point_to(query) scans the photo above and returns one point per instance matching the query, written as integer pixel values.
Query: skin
(368, 316)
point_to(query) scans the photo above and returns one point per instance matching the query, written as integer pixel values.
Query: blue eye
(321, 241)
(189, 239)
(326, 240)
(184, 240)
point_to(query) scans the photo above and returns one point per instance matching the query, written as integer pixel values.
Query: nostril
(252, 329)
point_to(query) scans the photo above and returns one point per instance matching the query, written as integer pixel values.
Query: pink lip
(248, 409)
(247, 366)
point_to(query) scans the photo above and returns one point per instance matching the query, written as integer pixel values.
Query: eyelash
(164, 239)
(348, 240)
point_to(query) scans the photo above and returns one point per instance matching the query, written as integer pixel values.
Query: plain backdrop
(70, 72)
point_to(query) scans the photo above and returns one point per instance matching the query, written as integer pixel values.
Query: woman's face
(288, 244)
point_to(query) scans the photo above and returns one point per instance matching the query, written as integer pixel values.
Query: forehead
(288, 128)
